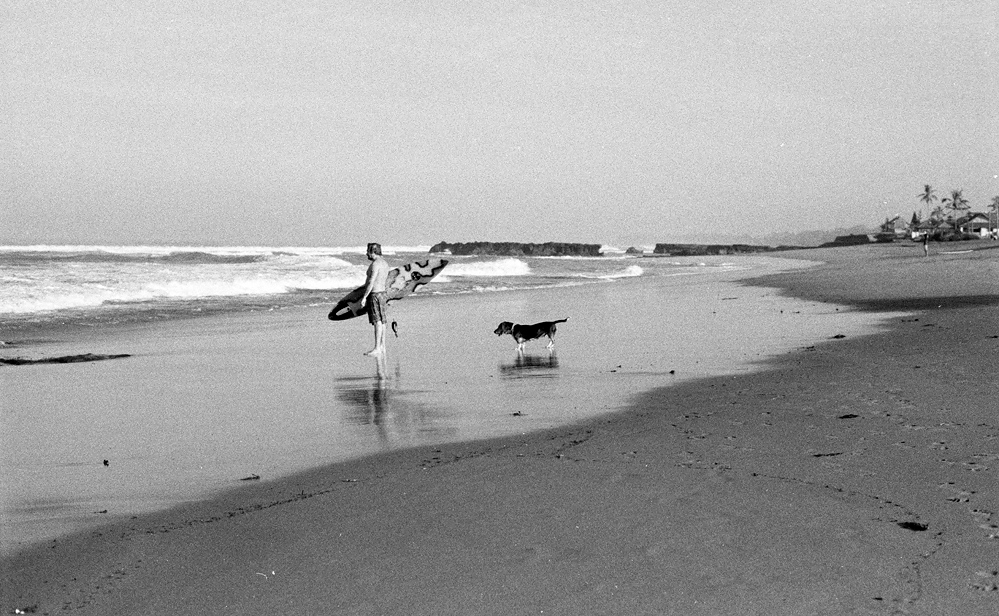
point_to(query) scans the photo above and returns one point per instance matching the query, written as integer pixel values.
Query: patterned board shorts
(376, 308)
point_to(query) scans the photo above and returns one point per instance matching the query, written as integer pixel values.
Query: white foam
(501, 267)
(631, 271)
(119, 284)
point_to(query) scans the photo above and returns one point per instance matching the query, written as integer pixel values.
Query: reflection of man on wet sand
(375, 297)
(369, 399)
(378, 399)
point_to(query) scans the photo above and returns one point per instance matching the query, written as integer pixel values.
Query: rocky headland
(518, 249)
(696, 250)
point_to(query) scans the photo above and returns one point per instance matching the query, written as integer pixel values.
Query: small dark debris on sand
(64, 359)
(913, 526)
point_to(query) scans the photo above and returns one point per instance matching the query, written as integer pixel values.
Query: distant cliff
(516, 249)
(697, 250)
(856, 239)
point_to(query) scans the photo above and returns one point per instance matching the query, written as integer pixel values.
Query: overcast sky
(299, 122)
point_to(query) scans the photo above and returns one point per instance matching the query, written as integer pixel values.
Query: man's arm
(368, 284)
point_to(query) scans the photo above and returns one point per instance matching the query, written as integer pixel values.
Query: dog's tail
(561, 320)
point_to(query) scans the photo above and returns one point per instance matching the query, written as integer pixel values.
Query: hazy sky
(302, 122)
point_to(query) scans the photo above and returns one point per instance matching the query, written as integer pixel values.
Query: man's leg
(379, 339)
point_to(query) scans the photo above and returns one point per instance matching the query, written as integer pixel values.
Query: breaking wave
(498, 268)
(631, 271)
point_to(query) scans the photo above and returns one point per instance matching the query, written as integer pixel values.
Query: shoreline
(828, 480)
(285, 392)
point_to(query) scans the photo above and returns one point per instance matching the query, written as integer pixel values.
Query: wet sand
(857, 475)
(200, 404)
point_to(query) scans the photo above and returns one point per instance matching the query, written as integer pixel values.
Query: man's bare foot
(375, 352)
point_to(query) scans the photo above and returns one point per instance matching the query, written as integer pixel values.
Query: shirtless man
(374, 296)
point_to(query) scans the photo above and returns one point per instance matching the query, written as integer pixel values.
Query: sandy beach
(857, 475)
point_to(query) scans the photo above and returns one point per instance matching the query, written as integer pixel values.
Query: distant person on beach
(926, 244)
(375, 297)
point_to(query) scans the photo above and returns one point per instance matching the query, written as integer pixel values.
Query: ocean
(100, 285)
(234, 372)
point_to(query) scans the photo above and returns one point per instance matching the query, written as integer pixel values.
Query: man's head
(374, 249)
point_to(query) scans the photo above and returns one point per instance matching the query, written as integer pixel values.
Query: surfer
(374, 295)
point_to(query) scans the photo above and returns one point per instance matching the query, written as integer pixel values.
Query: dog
(525, 333)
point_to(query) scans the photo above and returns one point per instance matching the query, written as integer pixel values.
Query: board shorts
(376, 307)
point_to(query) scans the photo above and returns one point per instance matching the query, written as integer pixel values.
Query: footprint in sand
(983, 517)
(978, 460)
(974, 467)
(987, 581)
(960, 496)
(985, 522)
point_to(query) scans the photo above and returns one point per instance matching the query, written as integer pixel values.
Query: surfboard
(401, 281)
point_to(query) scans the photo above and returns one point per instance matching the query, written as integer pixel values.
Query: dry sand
(858, 476)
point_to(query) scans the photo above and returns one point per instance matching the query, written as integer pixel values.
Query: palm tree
(994, 206)
(957, 203)
(928, 196)
(937, 214)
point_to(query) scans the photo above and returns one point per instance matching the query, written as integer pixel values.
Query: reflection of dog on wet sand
(526, 333)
